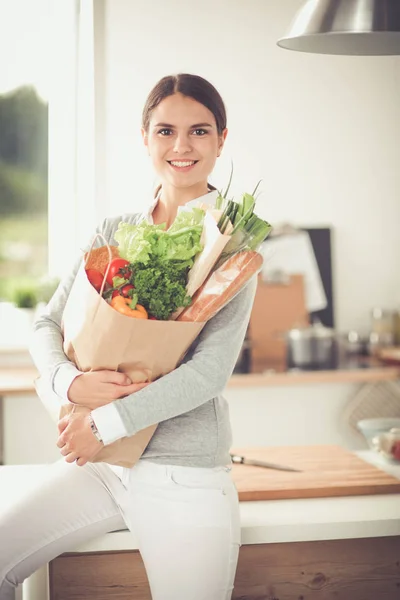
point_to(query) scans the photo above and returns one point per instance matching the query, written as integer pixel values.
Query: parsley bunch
(161, 286)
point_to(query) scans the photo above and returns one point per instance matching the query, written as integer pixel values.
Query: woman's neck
(170, 198)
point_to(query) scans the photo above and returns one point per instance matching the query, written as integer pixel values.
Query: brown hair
(192, 86)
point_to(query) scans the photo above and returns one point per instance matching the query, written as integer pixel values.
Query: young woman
(179, 499)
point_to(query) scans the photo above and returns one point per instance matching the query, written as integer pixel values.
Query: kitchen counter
(264, 521)
(310, 519)
(271, 526)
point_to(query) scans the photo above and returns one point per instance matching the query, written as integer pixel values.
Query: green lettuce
(143, 242)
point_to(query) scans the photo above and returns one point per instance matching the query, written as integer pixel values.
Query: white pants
(185, 519)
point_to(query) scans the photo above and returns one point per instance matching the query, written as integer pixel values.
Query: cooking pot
(313, 347)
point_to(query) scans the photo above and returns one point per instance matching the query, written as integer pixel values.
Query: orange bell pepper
(121, 304)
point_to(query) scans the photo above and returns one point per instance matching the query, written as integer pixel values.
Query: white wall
(321, 131)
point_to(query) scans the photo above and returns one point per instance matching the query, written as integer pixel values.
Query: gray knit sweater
(193, 416)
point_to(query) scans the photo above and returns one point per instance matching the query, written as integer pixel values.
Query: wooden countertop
(262, 521)
(19, 380)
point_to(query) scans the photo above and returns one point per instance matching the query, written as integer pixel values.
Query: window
(23, 147)
(46, 99)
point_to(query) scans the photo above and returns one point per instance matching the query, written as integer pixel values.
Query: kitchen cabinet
(321, 570)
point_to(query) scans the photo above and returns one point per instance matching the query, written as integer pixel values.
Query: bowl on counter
(371, 428)
(388, 445)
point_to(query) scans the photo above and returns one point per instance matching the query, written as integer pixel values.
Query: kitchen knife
(242, 460)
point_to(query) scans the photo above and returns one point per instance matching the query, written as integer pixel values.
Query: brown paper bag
(96, 337)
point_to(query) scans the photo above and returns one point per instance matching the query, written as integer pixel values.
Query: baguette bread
(221, 286)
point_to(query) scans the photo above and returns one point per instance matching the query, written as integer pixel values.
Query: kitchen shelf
(357, 375)
(19, 380)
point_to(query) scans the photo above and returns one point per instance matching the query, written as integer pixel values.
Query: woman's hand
(77, 441)
(97, 388)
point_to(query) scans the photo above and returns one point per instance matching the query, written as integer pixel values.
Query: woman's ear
(222, 139)
(145, 137)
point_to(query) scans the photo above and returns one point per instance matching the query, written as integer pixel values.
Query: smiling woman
(184, 129)
(178, 498)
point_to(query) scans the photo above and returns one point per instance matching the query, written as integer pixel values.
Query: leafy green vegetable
(136, 241)
(143, 242)
(187, 218)
(118, 281)
(134, 301)
(161, 286)
(249, 230)
(161, 260)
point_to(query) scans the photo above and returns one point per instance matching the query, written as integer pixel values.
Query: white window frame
(77, 199)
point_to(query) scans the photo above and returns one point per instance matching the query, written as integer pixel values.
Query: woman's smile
(182, 166)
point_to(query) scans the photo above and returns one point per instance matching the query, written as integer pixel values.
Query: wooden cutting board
(326, 471)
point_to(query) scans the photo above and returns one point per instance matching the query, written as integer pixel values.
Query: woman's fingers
(65, 450)
(114, 377)
(62, 424)
(105, 386)
(61, 441)
(71, 457)
(117, 391)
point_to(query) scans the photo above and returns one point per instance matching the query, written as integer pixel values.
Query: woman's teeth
(178, 163)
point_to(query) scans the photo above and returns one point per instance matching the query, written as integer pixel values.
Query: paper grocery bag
(97, 337)
(213, 242)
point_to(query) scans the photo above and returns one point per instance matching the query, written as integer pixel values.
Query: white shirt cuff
(63, 379)
(109, 423)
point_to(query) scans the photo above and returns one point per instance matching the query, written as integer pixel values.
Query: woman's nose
(182, 144)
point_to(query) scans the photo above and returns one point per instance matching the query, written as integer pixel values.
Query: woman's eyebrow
(191, 127)
(200, 125)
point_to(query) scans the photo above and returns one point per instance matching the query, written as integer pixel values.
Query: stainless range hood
(350, 27)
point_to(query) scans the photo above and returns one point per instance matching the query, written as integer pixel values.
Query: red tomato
(125, 289)
(152, 319)
(118, 269)
(95, 278)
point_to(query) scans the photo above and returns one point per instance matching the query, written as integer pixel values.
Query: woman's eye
(165, 132)
(199, 131)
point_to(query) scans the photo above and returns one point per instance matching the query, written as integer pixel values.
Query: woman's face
(183, 141)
